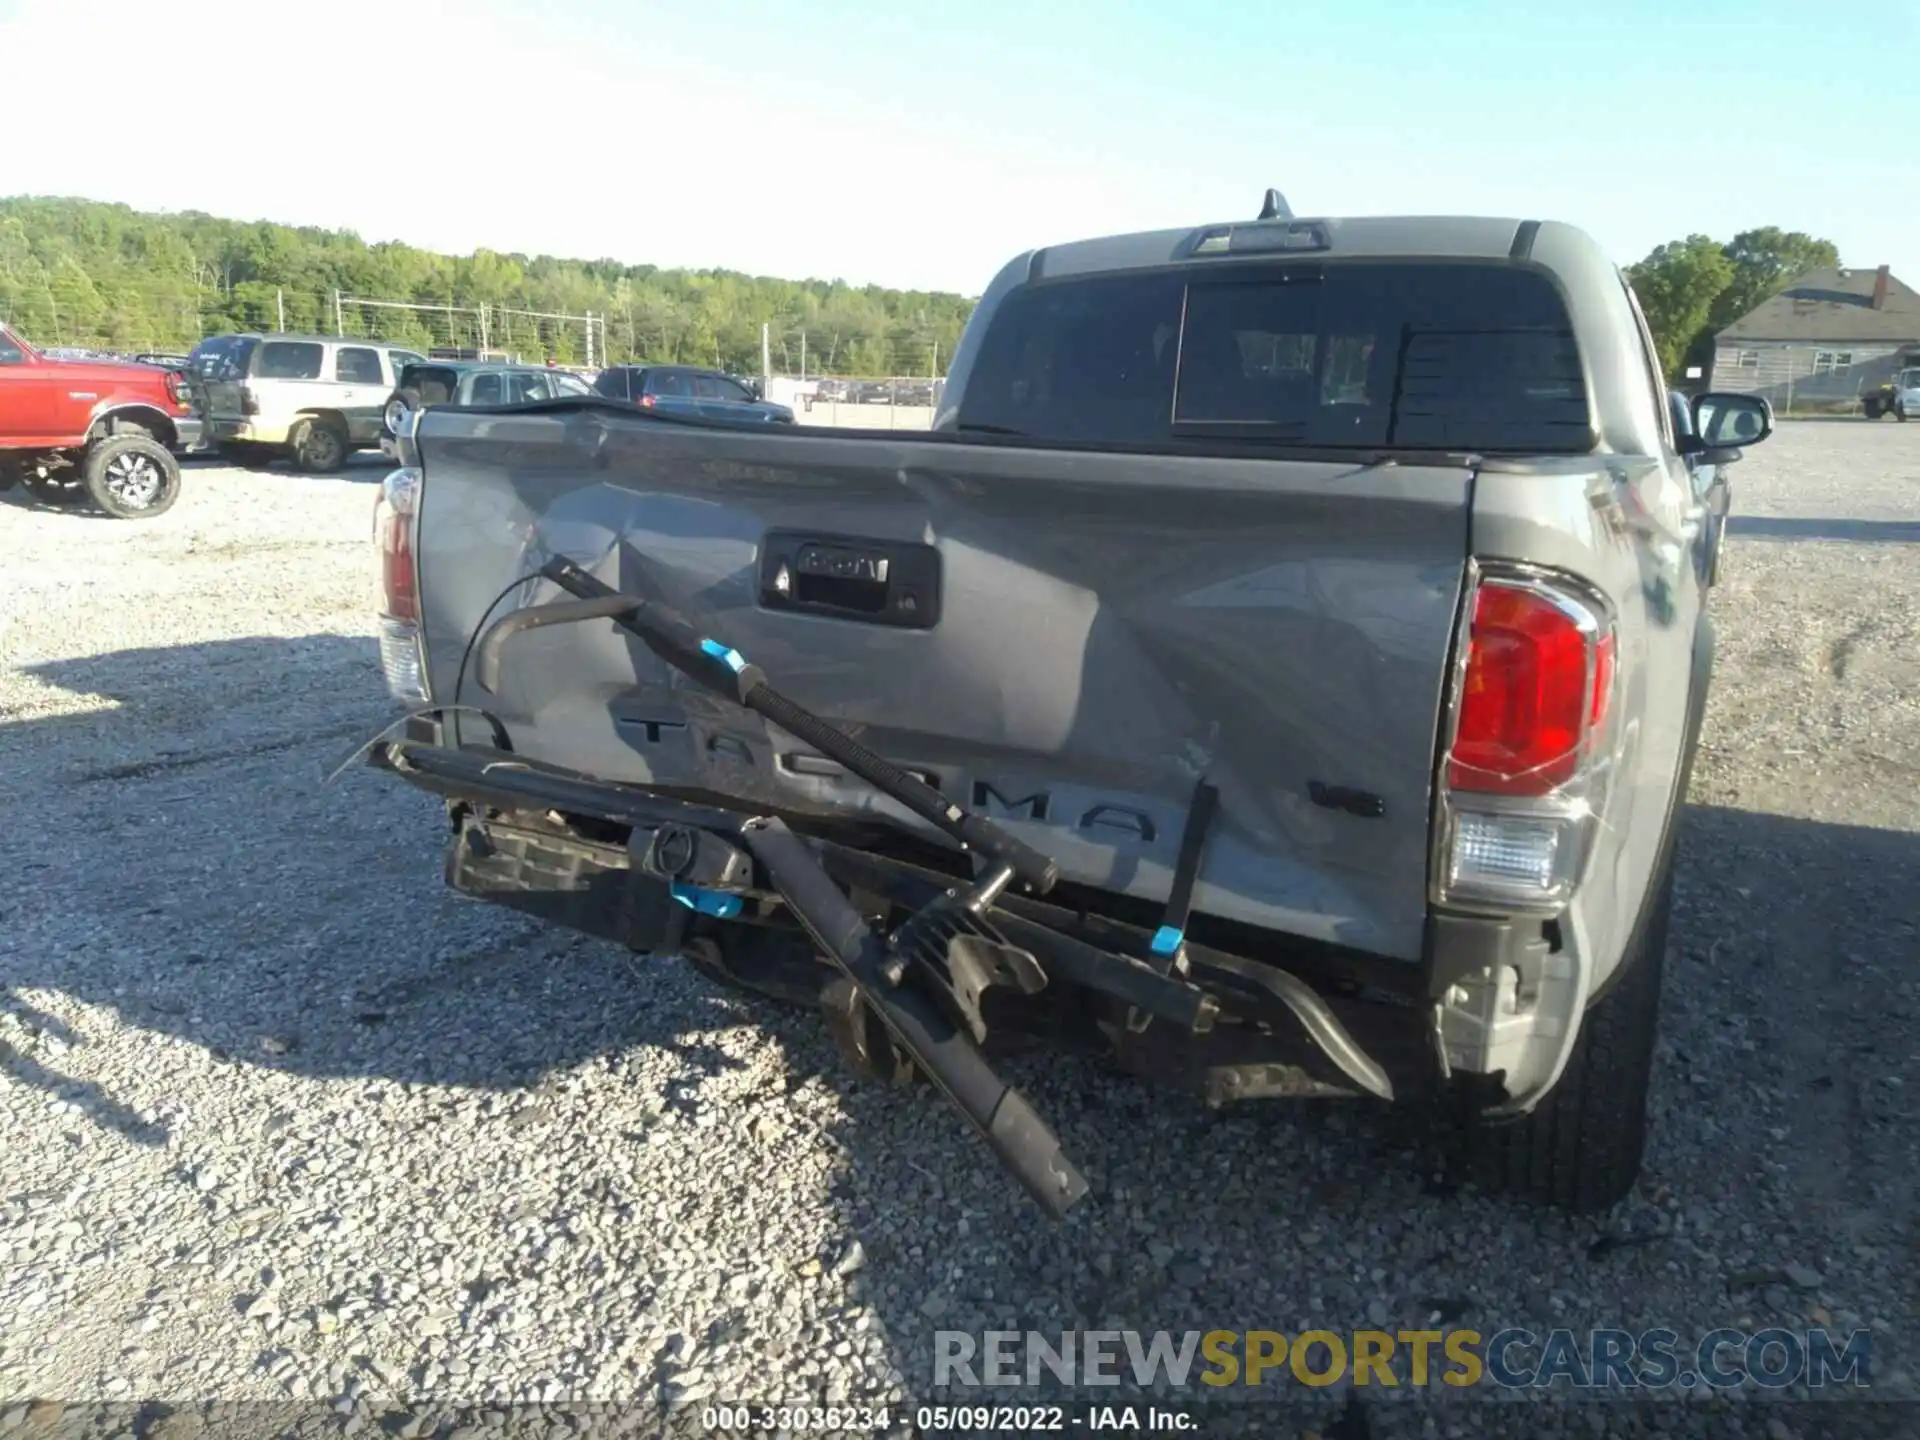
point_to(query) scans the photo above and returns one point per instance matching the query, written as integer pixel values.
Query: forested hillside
(78, 272)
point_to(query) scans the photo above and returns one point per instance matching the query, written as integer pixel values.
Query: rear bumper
(190, 434)
(562, 847)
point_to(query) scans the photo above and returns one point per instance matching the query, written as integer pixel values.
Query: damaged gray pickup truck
(1276, 673)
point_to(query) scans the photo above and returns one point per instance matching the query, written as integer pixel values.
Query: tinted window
(1457, 356)
(10, 353)
(612, 384)
(667, 382)
(224, 357)
(565, 384)
(719, 387)
(487, 390)
(290, 360)
(436, 383)
(357, 367)
(524, 387)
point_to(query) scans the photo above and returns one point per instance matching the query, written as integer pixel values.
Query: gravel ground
(284, 1120)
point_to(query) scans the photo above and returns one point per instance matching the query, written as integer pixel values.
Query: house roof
(1833, 305)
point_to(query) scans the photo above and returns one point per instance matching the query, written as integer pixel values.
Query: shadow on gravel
(1781, 527)
(272, 924)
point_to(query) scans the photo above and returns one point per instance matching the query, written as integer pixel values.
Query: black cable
(473, 638)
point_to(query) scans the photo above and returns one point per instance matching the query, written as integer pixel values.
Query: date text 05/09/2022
(749, 1419)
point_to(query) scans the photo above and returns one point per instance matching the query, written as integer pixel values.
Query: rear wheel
(319, 445)
(1582, 1146)
(131, 477)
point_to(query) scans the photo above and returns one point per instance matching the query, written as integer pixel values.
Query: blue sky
(919, 144)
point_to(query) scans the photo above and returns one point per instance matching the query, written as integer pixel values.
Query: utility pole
(279, 309)
(803, 356)
(766, 352)
(338, 328)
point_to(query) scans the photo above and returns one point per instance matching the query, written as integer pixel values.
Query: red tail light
(177, 387)
(646, 401)
(393, 534)
(1539, 672)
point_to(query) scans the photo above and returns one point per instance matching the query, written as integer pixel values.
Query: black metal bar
(1017, 1136)
(723, 670)
(508, 782)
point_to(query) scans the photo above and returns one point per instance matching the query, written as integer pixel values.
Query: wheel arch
(151, 418)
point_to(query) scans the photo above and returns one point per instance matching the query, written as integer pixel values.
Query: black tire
(1900, 414)
(1582, 1146)
(406, 398)
(319, 445)
(131, 477)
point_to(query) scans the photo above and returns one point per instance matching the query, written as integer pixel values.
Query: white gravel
(282, 1119)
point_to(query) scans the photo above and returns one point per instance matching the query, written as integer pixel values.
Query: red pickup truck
(105, 429)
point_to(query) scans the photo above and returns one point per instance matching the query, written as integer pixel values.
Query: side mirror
(1725, 424)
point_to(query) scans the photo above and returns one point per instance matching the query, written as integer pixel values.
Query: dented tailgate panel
(1110, 628)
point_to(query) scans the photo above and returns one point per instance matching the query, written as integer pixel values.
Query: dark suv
(683, 390)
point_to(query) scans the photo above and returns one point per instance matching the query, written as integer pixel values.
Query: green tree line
(79, 272)
(1694, 288)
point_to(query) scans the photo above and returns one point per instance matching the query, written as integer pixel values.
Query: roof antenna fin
(1275, 207)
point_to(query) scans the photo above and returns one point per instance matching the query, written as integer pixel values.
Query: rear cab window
(289, 360)
(613, 384)
(222, 357)
(526, 385)
(1413, 355)
(434, 383)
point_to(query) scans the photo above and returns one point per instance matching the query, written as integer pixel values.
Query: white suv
(313, 398)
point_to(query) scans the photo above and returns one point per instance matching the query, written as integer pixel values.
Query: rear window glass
(290, 360)
(223, 357)
(526, 386)
(436, 383)
(1473, 357)
(487, 390)
(611, 383)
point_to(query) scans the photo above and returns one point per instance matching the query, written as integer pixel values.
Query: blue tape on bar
(726, 654)
(707, 902)
(1167, 940)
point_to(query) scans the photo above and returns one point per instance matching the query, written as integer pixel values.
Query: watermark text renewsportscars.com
(1512, 1358)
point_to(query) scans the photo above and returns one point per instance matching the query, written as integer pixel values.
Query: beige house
(1827, 338)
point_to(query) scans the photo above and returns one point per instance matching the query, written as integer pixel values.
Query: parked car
(683, 390)
(103, 430)
(1347, 692)
(314, 399)
(444, 382)
(1899, 397)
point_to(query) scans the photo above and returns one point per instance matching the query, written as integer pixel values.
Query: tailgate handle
(840, 577)
(846, 577)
